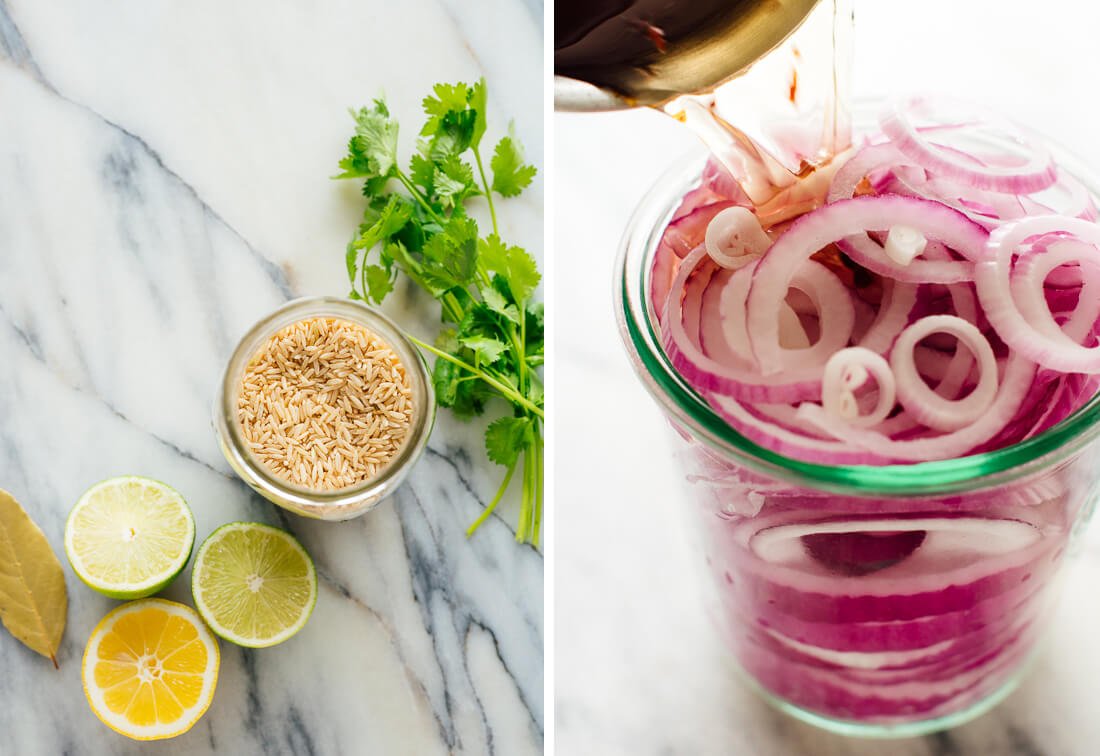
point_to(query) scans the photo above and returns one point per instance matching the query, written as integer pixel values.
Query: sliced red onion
(1019, 373)
(904, 244)
(727, 308)
(865, 250)
(742, 380)
(830, 298)
(1067, 196)
(859, 166)
(898, 299)
(1037, 173)
(734, 237)
(884, 609)
(993, 278)
(787, 442)
(765, 329)
(1027, 287)
(840, 219)
(846, 371)
(925, 405)
(681, 234)
(986, 208)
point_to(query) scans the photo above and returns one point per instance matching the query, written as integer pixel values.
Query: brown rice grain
(317, 396)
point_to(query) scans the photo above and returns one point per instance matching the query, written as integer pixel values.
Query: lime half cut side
(129, 537)
(253, 584)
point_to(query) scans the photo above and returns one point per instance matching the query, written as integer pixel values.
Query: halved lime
(129, 537)
(253, 584)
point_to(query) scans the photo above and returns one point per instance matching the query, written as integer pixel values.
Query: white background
(637, 670)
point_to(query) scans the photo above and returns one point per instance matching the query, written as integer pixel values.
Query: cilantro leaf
(447, 188)
(448, 99)
(379, 283)
(515, 266)
(453, 181)
(445, 378)
(451, 121)
(535, 329)
(510, 174)
(479, 320)
(488, 350)
(390, 220)
(351, 260)
(506, 437)
(422, 172)
(447, 340)
(499, 304)
(478, 97)
(450, 257)
(454, 389)
(355, 164)
(372, 152)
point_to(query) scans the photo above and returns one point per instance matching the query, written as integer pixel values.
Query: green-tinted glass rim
(685, 406)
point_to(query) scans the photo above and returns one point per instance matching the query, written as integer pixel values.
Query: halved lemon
(129, 537)
(253, 584)
(150, 669)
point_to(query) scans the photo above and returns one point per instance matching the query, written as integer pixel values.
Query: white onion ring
(730, 312)
(987, 208)
(919, 400)
(827, 224)
(734, 237)
(789, 443)
(868, 252)
(858, 166)
(847, 370)
(993, 278)
(897, 302)
(708, 375)
(830, 298)
(1038, 173)
(1018, 375)
(1029, 276)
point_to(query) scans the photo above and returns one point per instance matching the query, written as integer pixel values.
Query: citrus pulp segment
(253, 584)
(150, 669)
(129, 537)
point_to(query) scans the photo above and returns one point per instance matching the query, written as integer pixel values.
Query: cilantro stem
(411, 187)
(539, 482)
(505, 390)
(451, 304)
(488, 190)
(518, 344)
(526, 519)
(492, 504)
(521, 352)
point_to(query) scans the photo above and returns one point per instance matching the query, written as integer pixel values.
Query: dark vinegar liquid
(652, 50)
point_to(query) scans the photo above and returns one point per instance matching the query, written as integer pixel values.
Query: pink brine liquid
(880, 611)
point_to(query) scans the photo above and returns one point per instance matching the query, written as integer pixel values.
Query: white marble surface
(164, 183)
(637, 668)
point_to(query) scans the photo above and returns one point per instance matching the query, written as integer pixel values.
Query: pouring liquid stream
(684, 57)
(783, 172)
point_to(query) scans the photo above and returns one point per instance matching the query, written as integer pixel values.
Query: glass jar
(344, 503)
(874, 601)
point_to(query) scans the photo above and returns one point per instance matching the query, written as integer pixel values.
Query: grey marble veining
(163, 184)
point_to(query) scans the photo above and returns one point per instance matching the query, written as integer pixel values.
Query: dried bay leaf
(33, 601)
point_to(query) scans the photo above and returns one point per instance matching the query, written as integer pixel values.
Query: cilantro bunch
(416, 224)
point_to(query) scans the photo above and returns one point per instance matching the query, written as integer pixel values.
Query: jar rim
(303, 499)
(685, 407)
